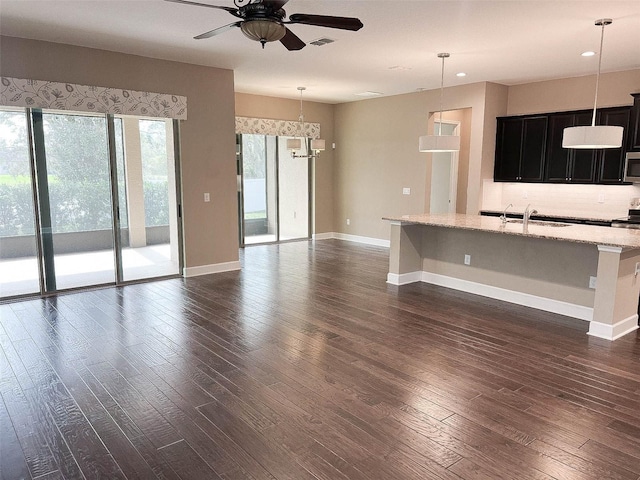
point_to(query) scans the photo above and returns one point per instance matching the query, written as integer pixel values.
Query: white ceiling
(503, 41)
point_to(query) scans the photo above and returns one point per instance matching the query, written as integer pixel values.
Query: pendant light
(439, 142)
(594, 136)
(294, 144)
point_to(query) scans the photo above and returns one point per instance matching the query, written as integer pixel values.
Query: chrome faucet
(527, 214)
(503, 217)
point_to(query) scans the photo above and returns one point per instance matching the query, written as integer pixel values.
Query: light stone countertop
(542, 216)
(618, 237)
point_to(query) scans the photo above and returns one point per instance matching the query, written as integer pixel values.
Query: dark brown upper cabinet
(520, 149)
(611, 160)
(566, 165)
(634, 130)
(529, 148)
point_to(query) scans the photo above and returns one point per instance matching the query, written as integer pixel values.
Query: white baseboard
(213, 268)
(617, 330)
(323, 236)
(378, 242)
(511, 296)
(404, 278)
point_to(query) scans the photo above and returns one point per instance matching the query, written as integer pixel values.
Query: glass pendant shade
(317, 145)
(263, 30)
(594, 136)
(294, 144)
(439, 143)
(598, 136)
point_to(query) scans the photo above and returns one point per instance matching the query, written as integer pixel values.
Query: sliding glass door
(85, 200)
(18, 243)
(79, 188)
(293, 193)
(148, 205)
(275, 191)
(259, 187)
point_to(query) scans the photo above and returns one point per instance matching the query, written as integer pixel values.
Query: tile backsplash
(589, 201)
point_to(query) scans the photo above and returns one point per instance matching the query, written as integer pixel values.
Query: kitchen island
(549, 266)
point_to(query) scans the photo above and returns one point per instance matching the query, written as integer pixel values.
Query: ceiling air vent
(322, 41)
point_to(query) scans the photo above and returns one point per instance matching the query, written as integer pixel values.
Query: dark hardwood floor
(306, 365)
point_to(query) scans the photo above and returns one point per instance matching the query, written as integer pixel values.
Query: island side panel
(617, 291)
(405, 254)
(548, 274)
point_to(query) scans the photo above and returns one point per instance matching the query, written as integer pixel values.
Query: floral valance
(18, 92)
(283, 128)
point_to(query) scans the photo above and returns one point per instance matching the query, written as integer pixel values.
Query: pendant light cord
(441, 95)
(301, 117)
(595, 102)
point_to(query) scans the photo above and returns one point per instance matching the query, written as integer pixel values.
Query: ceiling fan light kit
(263, 31)
(439, 142)
(264, 21)
(594, 136)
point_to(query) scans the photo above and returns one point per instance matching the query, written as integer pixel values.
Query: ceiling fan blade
(232, 11)
(343, 23)
(291, 41)
(217, 31)
(275, 4)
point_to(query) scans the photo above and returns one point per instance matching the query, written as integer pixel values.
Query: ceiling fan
(264, 21)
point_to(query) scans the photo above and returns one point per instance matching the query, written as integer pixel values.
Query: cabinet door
(508, 148)
(582, 166)
(634, 134)
(534, 136)
(558, 158)
(612, 159)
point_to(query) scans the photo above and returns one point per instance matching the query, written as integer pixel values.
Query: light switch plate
(207, 197)
(406, 191)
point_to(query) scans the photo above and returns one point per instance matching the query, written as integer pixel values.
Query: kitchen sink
(541, 223)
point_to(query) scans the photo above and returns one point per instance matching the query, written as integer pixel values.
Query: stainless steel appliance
(632, 167)
(631, 221)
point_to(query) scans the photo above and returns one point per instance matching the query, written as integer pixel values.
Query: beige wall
(573, 93)
(286, 109)
(541, 267)
(377, 153)
(207, 137)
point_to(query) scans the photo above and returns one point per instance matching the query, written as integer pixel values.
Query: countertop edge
(446, 221)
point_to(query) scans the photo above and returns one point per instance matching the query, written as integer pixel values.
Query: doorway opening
(444, 174)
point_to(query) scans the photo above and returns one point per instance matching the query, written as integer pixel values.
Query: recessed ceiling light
(461, 74)
(588, 54)
(368, 94)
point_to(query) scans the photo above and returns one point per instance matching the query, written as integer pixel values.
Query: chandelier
(294, 145)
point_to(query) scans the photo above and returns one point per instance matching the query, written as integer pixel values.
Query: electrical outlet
(467, 259)
(406, 191)
(348, 222)
(601, 198)
(592, 282)
(207, 197)
(525, 194)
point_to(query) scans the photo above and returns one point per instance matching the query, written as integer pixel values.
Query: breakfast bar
(583, 271)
